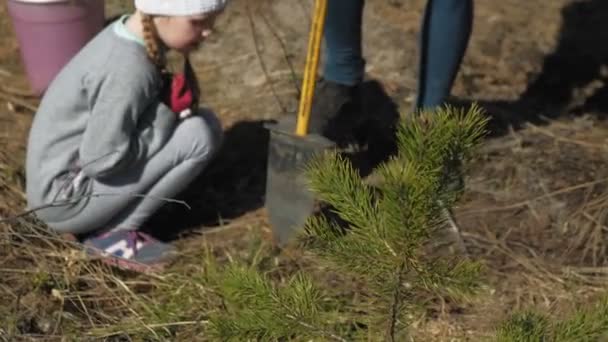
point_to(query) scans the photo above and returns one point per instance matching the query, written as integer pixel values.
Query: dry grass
(540, 236)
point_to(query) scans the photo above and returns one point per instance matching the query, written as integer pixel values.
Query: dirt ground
(534, 209)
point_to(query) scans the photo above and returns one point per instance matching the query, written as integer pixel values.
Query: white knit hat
(179, 7)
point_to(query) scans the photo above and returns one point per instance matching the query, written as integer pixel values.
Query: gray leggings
(190, 148)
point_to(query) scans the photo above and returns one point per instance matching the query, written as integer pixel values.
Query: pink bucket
(51, 32)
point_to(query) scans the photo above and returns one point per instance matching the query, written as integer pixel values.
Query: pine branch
(396, 303)
(408, 204)
(455, 279)
(353, 253)
(258, 310)
(337, 183)
(584, 325)
(372, 259)
(441, 142)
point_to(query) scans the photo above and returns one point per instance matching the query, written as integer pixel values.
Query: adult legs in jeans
(344, 62)
(444, 36)
(336, 111)
(128, 200)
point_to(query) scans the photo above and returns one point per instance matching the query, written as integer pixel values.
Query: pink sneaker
(131, 250)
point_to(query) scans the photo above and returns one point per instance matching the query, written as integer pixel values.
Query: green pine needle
(590, 324)
(454, 279)
(257, 309)
(524, 327)
(338, 184)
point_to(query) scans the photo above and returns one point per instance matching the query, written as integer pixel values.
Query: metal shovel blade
(289, 201)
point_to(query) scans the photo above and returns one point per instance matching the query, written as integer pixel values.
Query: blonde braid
(158, 57)
(155, 53)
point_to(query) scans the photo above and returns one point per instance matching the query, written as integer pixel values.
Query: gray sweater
(101, 114)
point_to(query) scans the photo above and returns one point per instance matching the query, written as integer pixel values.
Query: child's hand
(179, 96)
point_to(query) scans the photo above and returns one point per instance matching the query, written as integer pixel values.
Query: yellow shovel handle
(312, 64)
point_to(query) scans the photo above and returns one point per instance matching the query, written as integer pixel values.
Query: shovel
(289, 202)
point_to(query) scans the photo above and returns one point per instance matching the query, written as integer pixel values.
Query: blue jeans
(444, 36)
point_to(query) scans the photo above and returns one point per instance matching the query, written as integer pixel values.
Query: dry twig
(261, 60)
(527, 202)
(20, 102)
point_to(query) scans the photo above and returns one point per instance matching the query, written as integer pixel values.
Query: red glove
(179, 97)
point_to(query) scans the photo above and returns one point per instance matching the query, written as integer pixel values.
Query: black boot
(363, 114)
(378, 128)
(335, 111)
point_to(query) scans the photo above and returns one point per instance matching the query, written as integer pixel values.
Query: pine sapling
(388, 225)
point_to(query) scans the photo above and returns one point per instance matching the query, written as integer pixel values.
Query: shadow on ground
(572, 79)
(235, 182)
(232, 185)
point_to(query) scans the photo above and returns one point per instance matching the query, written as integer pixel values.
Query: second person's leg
(445, 33)
(344, 64)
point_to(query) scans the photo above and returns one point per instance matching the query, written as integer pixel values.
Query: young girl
(114, 137)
